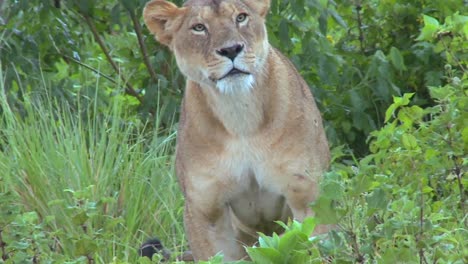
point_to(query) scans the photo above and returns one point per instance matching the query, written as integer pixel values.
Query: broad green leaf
(431, 26)
(377, 199)
(438, 93)
(265, 255)
(299, 256)
(324, 211)
(397, 59)
(30, 217)
(465, 31)
(290, 241)
(85, 246)
(338, 18)
(427, 189)
(409, 141)
(268, 241)
(390, 111)
(86, 7)
(284, 33)
(397, 102)
(80, 218)
(465, 135)
(333, 190)
(308, 225)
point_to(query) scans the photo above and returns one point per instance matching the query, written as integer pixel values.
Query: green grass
(76, 186)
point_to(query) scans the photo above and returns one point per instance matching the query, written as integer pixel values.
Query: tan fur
(251, 147)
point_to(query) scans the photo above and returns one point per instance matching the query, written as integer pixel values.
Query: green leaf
(409, 141)
(30, 217)
(308, 226)
(439, 93)
(129, 4)
(431, 26)
(390, 111)
(86, 7)
(268, 241)
(427, 189)
(377, 200)
(80, 218)
(85, 246)
(291, 240)
(265, 255)
(338, 18)
(465, 135)
(397, 102)
(284, 33)
(299, 256)
(397, 59)
(324, 211)
(323, 23)
(465, 31)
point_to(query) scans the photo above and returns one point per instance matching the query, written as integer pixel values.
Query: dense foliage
(87, 107)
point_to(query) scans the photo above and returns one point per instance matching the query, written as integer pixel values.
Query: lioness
(251, 146)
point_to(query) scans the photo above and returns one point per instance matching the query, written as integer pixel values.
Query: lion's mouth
(233, 72)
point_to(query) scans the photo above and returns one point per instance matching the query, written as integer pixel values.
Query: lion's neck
(240, 112)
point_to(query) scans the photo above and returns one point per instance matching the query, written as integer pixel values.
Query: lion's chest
(254, 200)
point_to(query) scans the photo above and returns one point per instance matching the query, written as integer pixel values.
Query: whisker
(214, 64)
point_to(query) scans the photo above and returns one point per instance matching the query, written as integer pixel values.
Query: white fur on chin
(234, 84)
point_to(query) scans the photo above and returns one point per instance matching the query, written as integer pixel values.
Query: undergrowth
(83, 188)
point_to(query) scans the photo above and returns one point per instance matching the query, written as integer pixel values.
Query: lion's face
(216, 43)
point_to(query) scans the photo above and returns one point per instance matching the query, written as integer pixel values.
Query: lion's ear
(261, 7)
(162, 19)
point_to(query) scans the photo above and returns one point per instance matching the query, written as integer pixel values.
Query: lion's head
(216, 43)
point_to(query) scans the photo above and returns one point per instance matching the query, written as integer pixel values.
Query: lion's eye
(199, 27)
(241, 17)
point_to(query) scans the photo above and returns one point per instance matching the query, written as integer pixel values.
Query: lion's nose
(231, 52)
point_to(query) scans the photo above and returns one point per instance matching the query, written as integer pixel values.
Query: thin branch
(457, 171)
(129, 89)
(89, 68)
(3, 247)
(420, 236)
(359, 258)
(144, 51)
(359, 21)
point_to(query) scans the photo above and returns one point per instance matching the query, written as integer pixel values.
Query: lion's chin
(236, 83)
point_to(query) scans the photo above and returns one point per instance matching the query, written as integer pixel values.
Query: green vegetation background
(89, 107)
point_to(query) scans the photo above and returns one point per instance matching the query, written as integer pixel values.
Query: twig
(419, 237)
(144, 51)
(90, 68)
(355, 244)
(129, 89)
(90, 259)
(359, 21)
(35, 259)
(458, 171)
(3, 247)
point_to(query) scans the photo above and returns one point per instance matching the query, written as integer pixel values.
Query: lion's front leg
(300, 192)
(208, 223)
(300, 186)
